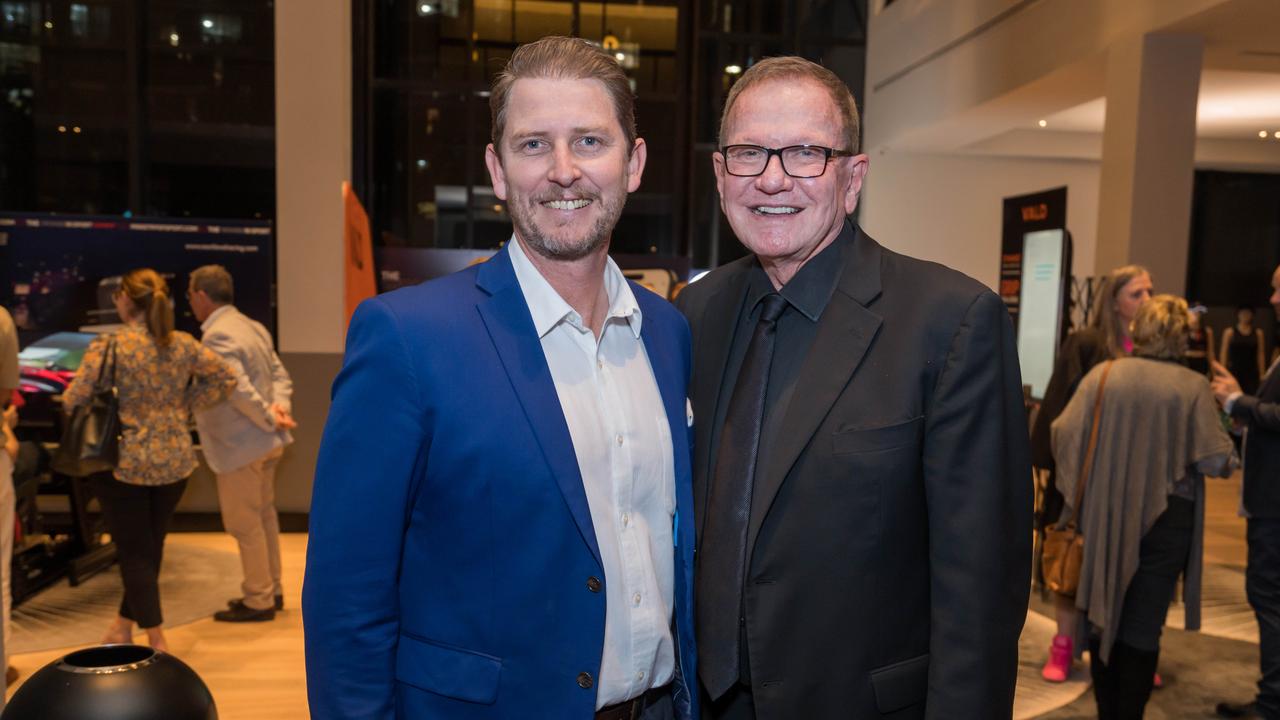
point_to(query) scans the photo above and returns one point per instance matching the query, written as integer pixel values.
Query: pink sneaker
(1058, 666)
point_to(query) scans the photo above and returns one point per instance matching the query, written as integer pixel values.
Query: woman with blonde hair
(1142, 509)
(160, 374)
(1116, 302)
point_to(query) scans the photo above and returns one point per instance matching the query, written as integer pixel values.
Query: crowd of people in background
(1136, 414)
(234, 387)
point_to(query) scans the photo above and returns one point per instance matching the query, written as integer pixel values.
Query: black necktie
(722, 554)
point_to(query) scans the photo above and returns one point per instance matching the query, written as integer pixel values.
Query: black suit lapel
(845, 332)
(715, 337)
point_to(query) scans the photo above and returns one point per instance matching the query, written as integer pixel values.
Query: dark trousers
(137, 516)
(1122, 685)
(1262, 586)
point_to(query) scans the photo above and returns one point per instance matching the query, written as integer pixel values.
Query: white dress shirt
(622, 441)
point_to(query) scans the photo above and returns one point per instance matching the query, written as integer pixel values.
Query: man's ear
(635, 165)
(717, 165)
(496, 174)
(860, 164)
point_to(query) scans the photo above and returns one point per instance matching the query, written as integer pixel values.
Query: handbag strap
(1093, 439)
(108, 357)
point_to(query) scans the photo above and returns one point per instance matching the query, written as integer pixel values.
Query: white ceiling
(1232, 106)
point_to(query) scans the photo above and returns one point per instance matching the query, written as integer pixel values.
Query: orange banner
(360, 282)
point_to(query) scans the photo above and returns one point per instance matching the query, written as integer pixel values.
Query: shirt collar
(548, 309)
(810, 289)
(208, 322)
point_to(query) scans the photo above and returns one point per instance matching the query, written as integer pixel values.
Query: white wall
(947, 208)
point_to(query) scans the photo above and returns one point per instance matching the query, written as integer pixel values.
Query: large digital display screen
(1041, 291)
(57, 272)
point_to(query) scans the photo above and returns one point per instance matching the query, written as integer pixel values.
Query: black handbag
(91, 438)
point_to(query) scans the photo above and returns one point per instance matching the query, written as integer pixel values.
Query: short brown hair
(564, 58)
(1160, 329)
(214, 281)
(790, 67)
(149, 293)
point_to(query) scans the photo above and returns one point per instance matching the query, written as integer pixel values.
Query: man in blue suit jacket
(496, 520)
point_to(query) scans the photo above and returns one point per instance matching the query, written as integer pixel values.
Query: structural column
(1148, 156)
(313, 158)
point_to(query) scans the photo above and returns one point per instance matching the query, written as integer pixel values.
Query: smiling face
(563, 166)
(780, 218)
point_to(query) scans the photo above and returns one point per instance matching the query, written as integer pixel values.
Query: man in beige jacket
(244, 438)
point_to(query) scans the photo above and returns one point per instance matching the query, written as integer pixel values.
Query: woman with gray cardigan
(1142, 515)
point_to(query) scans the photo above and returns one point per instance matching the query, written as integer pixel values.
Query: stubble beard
(555, 246)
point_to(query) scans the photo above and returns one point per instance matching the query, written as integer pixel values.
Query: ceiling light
(620, 56)
(62, 128)
(1262, 133)
(207, 23)
(1043, 123)
(173, 39)
(76, 129)
(733, 69)
(425, 9)
(48, 24)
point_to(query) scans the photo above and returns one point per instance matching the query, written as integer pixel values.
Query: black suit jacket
(1262, 450)
(889, 564)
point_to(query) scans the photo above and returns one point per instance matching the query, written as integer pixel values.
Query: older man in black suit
(862, 475)
(1260, 417)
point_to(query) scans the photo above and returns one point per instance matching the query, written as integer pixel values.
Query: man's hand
(1224, 384)
(11, 416)
(284, 421)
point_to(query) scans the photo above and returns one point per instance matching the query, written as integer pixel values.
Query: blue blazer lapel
(510, 326)
(671, 370)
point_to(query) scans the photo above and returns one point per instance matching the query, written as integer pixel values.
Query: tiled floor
(1200, 669)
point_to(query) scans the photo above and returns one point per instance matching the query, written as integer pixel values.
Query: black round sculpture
(113, 682)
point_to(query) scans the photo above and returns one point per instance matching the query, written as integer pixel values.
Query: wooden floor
(255, 670)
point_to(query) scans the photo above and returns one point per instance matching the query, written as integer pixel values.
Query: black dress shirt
(807, 295)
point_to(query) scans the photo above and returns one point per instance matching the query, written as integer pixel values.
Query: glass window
(174, 120)
(433, 61)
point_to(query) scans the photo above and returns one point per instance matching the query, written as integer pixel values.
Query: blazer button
(584, 681)
(593, 584)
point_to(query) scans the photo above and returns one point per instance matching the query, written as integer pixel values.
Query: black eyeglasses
(798, 161)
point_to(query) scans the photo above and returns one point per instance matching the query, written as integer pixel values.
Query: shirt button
(619, 438)
(635, 599)
(585, 681)
(593, 584)
(640, 676)
(626, 520)
(600, 364)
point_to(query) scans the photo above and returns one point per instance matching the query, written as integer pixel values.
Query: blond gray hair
(1161, 328)
(791, 67)
(214, 281)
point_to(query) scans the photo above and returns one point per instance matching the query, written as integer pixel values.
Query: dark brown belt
(632, 709)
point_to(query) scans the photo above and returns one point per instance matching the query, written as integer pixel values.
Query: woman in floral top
(161, 374)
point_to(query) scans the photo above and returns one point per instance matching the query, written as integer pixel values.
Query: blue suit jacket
(451, 543)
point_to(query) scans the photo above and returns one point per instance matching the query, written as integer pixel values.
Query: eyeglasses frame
(828, 152)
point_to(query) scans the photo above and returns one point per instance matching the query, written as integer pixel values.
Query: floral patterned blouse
(158, 388)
